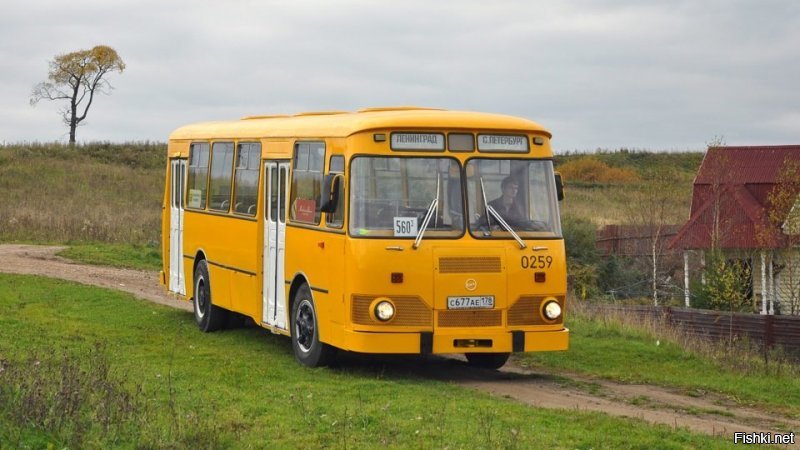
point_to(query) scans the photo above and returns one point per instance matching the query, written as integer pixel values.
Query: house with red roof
(746, 203)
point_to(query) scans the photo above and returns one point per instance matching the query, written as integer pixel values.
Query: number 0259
(536, 262)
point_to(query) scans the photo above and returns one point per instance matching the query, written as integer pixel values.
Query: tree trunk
(73, 122)
(655, 272)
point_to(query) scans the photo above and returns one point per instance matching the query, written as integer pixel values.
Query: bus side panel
(314, 254)
(336, 312)
(230, 246)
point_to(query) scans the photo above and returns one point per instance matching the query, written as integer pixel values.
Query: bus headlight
(552, 310)
(384, 311)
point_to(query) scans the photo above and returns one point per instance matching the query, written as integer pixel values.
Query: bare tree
(650, 210)
(77, 77)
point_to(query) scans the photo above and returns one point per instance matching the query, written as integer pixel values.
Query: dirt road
(701, 411)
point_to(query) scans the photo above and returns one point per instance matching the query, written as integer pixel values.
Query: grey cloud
(602, 74)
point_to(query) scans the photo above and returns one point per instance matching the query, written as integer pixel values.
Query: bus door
(177, 281)
(274, 291)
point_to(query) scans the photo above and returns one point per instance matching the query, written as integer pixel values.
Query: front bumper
(441, 342)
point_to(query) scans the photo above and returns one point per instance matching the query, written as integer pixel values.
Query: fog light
(552, 310)
(384, 311)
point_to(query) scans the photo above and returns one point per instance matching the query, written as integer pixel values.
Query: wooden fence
(783, 331)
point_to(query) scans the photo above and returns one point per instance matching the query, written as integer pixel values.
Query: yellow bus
(398, 230)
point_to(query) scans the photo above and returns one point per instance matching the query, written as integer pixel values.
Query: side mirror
(559, 187)
(330, 192)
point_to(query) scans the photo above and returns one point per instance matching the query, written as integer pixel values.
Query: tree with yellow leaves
(77, 77)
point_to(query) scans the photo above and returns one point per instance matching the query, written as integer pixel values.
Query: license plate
(477, 302)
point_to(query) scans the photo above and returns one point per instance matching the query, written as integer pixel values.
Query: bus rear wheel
(305, 332)
(208, 316)
(487, 360)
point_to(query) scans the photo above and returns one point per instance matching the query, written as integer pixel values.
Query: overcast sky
(669, 75)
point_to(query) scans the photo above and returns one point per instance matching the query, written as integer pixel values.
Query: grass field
(151, 380)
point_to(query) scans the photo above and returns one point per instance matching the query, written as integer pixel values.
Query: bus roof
(343, 124)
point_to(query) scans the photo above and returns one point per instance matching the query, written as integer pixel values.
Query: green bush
(582, 256)
(727, 284)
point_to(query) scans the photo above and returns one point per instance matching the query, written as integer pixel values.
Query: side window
(181, 203)
(198, 176)
(284, 173)
(273, 194)
(245, 179)
(336, 219)
(309, 159)
(219, 184)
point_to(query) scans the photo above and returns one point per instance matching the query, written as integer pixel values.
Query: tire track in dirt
(706, 413)
(42, 260)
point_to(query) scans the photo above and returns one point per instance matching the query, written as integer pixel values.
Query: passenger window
(248, 162)
(220, 180)
(198, 176)
(309, 159)
(336, 218)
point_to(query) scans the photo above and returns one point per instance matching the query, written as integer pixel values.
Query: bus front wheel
(487, 360)
(208, 316)
(305, 332)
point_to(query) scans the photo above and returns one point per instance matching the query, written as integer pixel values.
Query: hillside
(95, 192)
(105, 192)
(603, 187)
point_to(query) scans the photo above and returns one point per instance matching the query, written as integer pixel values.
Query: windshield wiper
(490, 211)
(486, 207)
(431, 212)
(503, 224)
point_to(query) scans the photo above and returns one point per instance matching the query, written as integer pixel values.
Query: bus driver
(506, 205)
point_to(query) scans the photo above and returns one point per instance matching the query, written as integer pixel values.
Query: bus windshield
(521, 192)
(389, 197)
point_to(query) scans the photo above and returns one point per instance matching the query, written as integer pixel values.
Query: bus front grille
(526, 311)
(411, 311)
(471, 264)
(471, 318)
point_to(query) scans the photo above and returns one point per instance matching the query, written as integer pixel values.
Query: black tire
(305, 332)
(208, 316)
(487, 360)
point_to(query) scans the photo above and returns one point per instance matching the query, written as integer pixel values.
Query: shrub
(727, 283)
(595, 171)
(582, 256)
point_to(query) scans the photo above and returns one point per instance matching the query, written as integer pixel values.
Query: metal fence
(772, 331)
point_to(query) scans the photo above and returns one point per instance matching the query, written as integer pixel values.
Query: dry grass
(606, 204)
(593, 170)
(96, 192)
(739, 354)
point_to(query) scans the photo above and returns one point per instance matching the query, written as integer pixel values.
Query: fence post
(769, 332)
